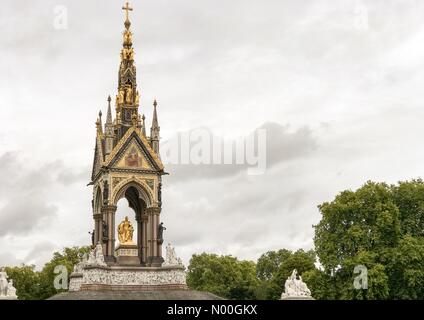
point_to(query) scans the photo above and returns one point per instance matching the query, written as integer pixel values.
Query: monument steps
(136, 295)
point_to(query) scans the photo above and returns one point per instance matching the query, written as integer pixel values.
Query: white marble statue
(100, 259)
(3, 283)
(295, 288)
(11, 291)
(171, 257)
(96, 258)
(7, 290)
(78, 268)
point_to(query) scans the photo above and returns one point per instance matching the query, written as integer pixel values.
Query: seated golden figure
(125, 232)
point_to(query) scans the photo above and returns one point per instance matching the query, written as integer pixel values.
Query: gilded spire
(127, 24)
(127, 99)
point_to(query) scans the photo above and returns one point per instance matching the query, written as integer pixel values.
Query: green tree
(38, 285)
(322, 286)
(26, 281)
(269, 263)
(379, 226)
(274, 267)
(225, 276)
(67, 258)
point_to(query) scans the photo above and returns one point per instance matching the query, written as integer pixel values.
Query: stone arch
(140, 197)
(143, 189)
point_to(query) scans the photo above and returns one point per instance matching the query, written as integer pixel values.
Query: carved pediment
(134, 152)
(133, 157)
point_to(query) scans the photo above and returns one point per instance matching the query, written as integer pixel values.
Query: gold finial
(127, 8)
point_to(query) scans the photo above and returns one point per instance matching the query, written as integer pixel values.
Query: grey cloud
(284, 145)
(40, 248)
(25, 213)
(25, 192)
(8, 259)
(69, 176)
(40, 253)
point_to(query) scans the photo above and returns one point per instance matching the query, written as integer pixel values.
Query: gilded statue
(129, 96)
(124, 53)
(125, 232)
(127, 54)
(121, 97)
(127, 37)
(117, 103)
(131, 54)
(137, 98)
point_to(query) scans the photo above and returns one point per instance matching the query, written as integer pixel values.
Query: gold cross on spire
(127, 8)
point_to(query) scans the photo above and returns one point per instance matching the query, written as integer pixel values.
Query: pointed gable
(134, 152)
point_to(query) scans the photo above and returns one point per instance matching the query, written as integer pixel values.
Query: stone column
(144, 247)
(97, 227)
(154, 259)
(139, 235)
(109, 211)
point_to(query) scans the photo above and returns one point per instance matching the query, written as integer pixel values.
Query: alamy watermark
(60, 17)
(60, 282)
(360, 281)
(361, 16)
(201, 147)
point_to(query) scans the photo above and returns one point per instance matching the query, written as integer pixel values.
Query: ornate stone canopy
(127, 165)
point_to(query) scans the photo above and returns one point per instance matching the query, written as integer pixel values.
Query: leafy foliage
(378, 226)
(226, 276)
(274, 267)
(26, 281)
(36, 285)
(231, 278)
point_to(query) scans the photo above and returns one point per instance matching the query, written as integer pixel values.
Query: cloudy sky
(338, 85)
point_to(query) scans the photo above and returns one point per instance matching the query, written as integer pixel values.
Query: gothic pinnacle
(143, 124)
(155, 116)
(99, 123)
(109, 112)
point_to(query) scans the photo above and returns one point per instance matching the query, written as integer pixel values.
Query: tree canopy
(37, 285)
(274, 267)
(230, 278)
(381, 227)
(226, 276)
